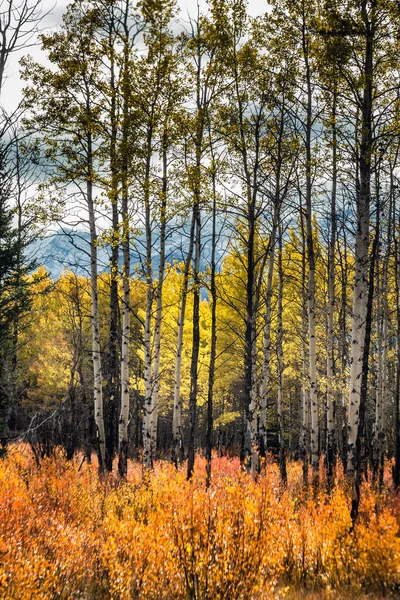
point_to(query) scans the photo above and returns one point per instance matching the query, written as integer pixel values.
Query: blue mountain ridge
(68, 249)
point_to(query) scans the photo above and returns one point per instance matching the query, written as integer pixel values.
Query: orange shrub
(65, 534)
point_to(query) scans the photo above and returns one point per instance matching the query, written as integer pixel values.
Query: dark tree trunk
(195, 347)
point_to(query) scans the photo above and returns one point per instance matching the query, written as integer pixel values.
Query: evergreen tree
(15, 299)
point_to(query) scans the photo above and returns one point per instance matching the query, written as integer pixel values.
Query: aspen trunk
(123, 437)
(313, 376)
(250, 438)
(358, 447)
(396, 466)
(177, 441)
(330, 366)
(252, 409)
(342, 425)
(148, 450)
(159, 307)
(213, 349)
(195, 345)
(265, 376)
(378, 430)
(201, 94)
(96, 349)
(358, 330)
(360, 289)
(312, 357)
(251, 450)
(111, 362)
(383, 318)
(126, 334)
(279, 350)
(305, 405)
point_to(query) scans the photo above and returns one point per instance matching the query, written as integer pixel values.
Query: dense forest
(232, 186)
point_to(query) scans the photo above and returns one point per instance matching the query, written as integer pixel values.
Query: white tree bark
(96, 348)
(265, 374)
(123, 433)
(330, 362)
(361, 259)
(312, 357)
(147, 417)
(159, 309)
(305, 399)
(359, 313)
(148, 383)
(313, 374)
(252, 411)
(279, 350)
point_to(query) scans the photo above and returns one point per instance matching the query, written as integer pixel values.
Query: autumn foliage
(66, 534)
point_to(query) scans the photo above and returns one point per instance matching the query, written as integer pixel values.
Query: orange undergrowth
(65, 534)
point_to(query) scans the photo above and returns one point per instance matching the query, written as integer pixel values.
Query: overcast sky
(13, 86)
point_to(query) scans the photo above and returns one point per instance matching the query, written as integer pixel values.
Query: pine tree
(15, 299)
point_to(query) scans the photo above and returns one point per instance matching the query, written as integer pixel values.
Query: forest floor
(65, 534)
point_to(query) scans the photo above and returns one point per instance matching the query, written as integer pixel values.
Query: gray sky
(12, 89)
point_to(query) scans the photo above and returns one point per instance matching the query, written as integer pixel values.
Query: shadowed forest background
(200, 265)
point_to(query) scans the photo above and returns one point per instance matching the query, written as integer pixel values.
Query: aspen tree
(279, 350)
(200, 46)
(213, 300)
(310, 254)
(242, 123)
(153, 73)
(111, 362)
(199, 129)
(330, 367)
(283, 154)
(296, 21)
(127, 39)
(396, 466)
(360, 294)
(62, 106)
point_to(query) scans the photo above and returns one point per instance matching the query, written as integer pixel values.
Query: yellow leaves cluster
(65, 534)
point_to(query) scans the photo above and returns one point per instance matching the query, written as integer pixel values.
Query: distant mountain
(70, 249)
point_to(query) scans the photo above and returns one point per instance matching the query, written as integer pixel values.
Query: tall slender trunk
(195, 345)
(379, 377)
(111, 399)
(266, 367)
(358, 447)
(201, 95)
(250, 442)
(159, 306)
(342, 425)
(213, 348)
(383, 319)
(177, 437)
(19, 264)
(265, 375)
(305, 397)
(360, 290)
(148, 450)
(396, 466)
(96, 348)
(279, 351)
(126, 334)
(123, 437)
(312, 354)
(330, 363)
